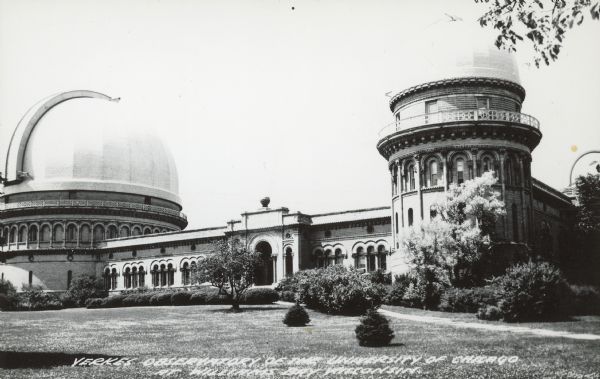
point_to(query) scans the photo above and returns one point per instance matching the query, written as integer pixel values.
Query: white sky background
(256, 99)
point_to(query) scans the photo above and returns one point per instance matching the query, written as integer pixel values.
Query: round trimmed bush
(532, 292)
(181, 298)
(260, 296)
(489, 312)
(374, 330)
(296, 316)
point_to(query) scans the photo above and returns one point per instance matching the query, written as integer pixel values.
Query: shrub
(198, 298)
(68, 302)
(288, 296)
(93, 303)
(130, 300)
(84, 287)
(7, 288)
(143, 299)
(260, 296)
(467, 299)
(296, 316)
(33, 298)
(532, 292)
(181, 298)
(336, 289)
(114, 301)
(5, 302)
(397, 290)
(585, 300)
(374, 330)
(413, 296)
(380, 277)
(489, 312)
(161, 298)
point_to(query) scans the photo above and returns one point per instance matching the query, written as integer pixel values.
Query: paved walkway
(490, 327)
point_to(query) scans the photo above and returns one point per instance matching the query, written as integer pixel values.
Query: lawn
(208, 332)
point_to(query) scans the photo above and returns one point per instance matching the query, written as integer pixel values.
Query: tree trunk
(235, 307)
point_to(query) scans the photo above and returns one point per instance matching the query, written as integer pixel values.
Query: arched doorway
(263, 275)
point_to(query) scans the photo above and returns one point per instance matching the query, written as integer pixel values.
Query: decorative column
(503, 188)
(417, 159)
(474, 160)
(445, 170)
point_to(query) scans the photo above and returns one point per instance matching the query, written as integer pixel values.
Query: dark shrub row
(334, 289)
(198, 296)
(467, 299)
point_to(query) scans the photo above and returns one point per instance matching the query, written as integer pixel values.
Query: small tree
(230, 268)
(296, 316)
(448, 250)
(374, 330)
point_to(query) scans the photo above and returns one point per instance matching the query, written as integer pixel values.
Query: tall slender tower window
(460, 170)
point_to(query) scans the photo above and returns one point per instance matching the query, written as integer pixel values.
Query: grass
(209, 331)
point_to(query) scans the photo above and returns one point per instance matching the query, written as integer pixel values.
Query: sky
(273, 98)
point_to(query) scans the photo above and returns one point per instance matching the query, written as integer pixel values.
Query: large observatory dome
(88, 143)
(458, 49)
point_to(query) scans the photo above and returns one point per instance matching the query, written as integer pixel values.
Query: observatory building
(88, 191)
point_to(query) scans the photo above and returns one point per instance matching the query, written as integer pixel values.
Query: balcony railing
(458, 116)
(92, 204)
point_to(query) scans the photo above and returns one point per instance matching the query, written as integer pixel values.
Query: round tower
(462, 121)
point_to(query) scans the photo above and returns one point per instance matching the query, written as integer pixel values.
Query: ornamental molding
(495, 82)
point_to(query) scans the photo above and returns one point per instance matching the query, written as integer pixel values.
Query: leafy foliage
(489, 312)
(585, 300)
(230, 268)
(296, 316)
(374, 330)
(468, 300)
(449, 250)
(532, 292)
(396, 292)
(380, 277)
(33, 298)
(260, 296)
(7, 288)
(336, 289)
(544, 27)
(84, 287)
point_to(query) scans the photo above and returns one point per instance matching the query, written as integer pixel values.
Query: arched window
(13, 235)
(124, 232)
(460, 170)
(69, 278)
(432, 173)
(411, 177)
(112, 232)
(410, 216)
(106, 278)
(289, 262)
(170, 275)
(45, 233)
(155, 276)
(163, 275)
(515, 223)
(371, 259)
(142, 277)
(71, 233)
(329, 258)
(382, 255)
(23, 234)
(359, 260)
(185, 274)
(134, 277)
(486, 164)
(33, 233)
(147, 231)
(59, 233)
(85, 234)
(113, 279)
(339, 257)
(136, 231)
(98, 233)
(127, 277)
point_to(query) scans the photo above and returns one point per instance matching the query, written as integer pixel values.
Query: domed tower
(462, 119)
(79, 172)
